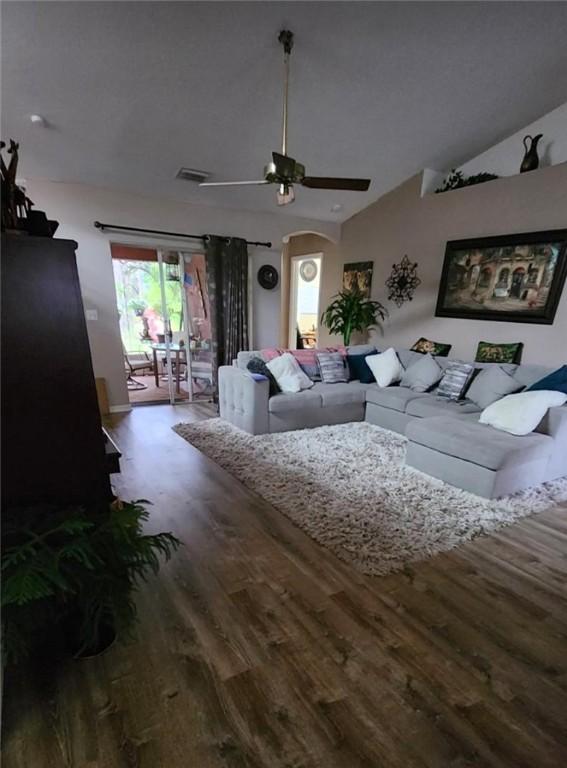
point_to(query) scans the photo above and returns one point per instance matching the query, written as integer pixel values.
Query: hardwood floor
(256, 648)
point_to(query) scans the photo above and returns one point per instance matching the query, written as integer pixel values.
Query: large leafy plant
(64, 562)
(350, 311)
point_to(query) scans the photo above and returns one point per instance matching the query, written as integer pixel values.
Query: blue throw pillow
(359, 368)
(556, 381)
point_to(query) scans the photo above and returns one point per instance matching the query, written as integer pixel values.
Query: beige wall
(76, 206)
(402, 222)
(331, 277)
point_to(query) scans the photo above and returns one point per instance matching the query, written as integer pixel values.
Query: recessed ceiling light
(336, 208)
(191, 174)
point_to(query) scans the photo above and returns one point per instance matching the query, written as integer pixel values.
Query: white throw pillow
(520, 414)
(288, 373)
(386, 367)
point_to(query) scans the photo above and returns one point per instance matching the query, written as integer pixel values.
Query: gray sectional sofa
(445, 439)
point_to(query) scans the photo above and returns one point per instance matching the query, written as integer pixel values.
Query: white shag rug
(347, 487)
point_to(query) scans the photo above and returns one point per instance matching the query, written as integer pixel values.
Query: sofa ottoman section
(477, 457)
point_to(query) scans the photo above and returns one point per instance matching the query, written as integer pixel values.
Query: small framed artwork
(358, 276)
(511, 278)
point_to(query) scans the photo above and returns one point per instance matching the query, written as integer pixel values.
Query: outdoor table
(176, 350)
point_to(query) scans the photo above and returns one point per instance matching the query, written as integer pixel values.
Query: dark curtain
(227, 282)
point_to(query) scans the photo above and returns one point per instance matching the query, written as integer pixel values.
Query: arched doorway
(518, 276)
(485, 277)
(309, 263)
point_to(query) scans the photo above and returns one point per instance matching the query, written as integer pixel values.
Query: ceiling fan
(284, 170)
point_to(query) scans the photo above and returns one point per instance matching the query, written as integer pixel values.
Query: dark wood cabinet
(53, 447)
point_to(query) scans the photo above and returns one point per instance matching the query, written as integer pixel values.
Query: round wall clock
(268, 277)
(308, 270)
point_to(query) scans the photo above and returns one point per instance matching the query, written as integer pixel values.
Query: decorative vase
(531, 159)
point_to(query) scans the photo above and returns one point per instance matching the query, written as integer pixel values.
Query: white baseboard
(120, 408)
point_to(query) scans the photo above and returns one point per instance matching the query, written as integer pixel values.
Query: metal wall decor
(403, 281)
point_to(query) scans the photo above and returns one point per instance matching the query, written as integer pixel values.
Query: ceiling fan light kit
(284, 170)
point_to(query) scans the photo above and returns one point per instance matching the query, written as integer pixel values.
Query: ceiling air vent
(190, 174)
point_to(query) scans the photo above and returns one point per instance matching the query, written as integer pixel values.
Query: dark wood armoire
(53, 447)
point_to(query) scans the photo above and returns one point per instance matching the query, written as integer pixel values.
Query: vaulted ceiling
(132, 91)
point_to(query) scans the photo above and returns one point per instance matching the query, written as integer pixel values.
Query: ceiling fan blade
(234, 183)
(329, 182)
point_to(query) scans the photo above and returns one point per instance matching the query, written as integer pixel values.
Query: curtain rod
(101, 226)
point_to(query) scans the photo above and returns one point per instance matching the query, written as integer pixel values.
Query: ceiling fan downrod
(286, 39)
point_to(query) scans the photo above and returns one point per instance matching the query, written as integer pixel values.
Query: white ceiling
(133, 91)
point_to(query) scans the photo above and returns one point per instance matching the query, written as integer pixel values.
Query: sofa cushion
(436, 406)
(395, 398)
(490, 385)
(423, 375)
(341, 394)
(362, 349)
(307, 398)
(243, 358)
(480, 444)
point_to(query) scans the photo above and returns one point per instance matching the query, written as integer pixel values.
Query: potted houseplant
(137, 307)
(72, 570)
(350, 311)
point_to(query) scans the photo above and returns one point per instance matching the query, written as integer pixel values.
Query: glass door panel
(196, 298)
(176, 337)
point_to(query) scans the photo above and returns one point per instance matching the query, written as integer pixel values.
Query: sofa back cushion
(530, 374)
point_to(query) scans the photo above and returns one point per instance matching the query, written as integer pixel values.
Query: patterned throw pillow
(257, 365)
(333, 367)
(269, 354)
(498, 353)
(455, 381)
(307, 358)
(424, 346)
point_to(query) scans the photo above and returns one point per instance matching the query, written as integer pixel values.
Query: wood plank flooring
(256, 648)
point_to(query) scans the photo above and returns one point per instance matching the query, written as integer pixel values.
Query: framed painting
(358, 276)
(510, 278)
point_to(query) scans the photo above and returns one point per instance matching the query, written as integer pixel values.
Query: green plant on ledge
(457, 180)
(349, 312)
(62, 567)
